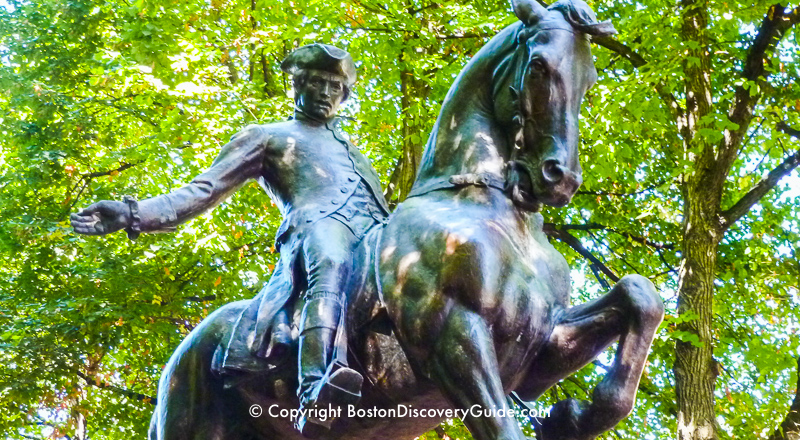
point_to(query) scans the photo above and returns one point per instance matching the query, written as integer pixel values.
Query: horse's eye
(537, 65)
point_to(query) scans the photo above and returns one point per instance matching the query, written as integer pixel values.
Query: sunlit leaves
(136, 97)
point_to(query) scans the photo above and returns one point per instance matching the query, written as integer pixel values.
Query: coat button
(308, 220)
(344, 190)
(351, 179)
(322, 211)
(333, 201)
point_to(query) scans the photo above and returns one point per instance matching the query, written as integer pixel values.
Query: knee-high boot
(320, 385)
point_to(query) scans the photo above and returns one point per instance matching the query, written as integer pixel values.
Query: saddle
(239, 359)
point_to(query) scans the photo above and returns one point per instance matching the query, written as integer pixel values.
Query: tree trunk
(789, 428)
(695, 370)
(414, 93)
(253, 29)
(80, 425)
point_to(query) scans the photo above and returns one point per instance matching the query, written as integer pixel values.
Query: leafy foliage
(136, 97)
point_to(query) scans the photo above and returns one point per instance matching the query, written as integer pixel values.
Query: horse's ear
(528, 11)
(602, 29)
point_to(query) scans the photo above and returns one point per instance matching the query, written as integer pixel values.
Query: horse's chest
(535, 269)
(531, 287)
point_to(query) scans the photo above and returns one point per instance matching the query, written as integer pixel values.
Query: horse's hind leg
(465, 367)
(630, 312)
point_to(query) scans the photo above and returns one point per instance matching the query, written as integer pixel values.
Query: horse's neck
(466, 138)
(463, 142)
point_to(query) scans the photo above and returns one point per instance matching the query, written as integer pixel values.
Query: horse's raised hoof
(562, 423)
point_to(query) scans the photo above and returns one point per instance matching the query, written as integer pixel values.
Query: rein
(521, 116)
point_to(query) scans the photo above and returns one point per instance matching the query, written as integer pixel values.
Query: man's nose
(325, 90)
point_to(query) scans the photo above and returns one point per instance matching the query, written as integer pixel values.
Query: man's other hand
(102, 218)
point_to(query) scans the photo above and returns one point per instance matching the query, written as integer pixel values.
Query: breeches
(328, 258)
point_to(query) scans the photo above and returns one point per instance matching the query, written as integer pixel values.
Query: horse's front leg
(631, 313)
(465, 367)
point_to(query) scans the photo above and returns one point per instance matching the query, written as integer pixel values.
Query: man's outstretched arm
(240, 160)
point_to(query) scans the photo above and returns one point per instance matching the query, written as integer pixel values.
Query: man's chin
(320, 114)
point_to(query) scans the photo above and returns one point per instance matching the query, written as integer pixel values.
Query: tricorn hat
(321, 57)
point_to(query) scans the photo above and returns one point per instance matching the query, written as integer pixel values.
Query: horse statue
(462, 300)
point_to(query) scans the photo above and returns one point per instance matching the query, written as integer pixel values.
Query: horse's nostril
(552, 171)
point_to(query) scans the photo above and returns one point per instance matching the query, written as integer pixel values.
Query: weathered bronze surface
(329, 195)
(458, 300)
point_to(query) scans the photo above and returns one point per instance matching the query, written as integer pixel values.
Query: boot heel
(342, 388)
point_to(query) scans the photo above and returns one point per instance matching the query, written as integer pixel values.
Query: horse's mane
(575, 12)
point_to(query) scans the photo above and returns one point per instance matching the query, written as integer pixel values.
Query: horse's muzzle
(558, 183)
(551, 184)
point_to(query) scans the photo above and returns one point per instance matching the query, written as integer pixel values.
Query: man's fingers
(94, 208)
(87, 226)
(81, 219)
(86, 230)
(87, 220)
(87, 211)
(83, 230)
(94, 228)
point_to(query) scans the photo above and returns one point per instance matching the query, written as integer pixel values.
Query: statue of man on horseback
(476, 298)
(329, 195)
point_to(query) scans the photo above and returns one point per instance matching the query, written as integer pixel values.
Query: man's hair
(301, 76)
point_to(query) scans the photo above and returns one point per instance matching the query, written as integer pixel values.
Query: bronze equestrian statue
(459, 299)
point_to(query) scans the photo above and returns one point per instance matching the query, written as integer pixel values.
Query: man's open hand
(102, 218)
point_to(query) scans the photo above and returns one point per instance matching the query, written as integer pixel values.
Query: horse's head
(539, 87)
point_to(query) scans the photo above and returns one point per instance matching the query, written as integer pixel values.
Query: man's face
(321, 94)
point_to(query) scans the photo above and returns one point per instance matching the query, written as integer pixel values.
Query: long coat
(309, 170)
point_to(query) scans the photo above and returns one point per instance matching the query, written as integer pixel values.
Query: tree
(696, 103)
(711, 114)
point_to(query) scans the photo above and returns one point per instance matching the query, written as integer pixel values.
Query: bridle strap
(485, 180)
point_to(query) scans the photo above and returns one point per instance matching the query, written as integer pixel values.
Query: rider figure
(329, 196)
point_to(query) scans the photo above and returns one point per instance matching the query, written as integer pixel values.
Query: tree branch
(127, 393)
(593, 226)
(743, 206)
(776, 22)
(574, 243)
(121, 168)
(790, 426)
(621, 49)
(620, 194)
(415, 31)
(85, 179)
(784, 127)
